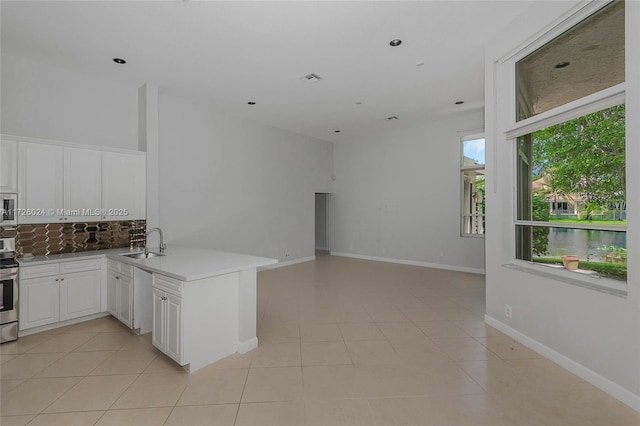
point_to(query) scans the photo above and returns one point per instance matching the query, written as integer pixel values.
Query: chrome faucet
(162, 244)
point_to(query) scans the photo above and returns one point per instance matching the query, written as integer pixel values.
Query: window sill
(578, 278)
(472, 235)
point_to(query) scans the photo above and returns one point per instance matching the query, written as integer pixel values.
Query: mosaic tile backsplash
(55, 238)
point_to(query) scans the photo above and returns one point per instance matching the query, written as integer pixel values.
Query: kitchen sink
(143, 255)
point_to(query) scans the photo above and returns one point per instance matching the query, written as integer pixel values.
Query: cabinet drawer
(167, 284)
(113, 265)
(126, 270)
(121, 268)
(79, 266)
(47, 270)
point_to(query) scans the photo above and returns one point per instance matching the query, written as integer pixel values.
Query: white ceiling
(229, 53)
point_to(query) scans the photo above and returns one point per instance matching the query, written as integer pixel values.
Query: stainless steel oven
(8, 291)
(9, 206)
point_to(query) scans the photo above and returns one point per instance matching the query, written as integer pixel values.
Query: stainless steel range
(8, 290)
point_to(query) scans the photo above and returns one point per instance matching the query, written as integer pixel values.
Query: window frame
(465, 137)
(513, 129)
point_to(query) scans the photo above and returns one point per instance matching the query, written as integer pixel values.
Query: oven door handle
(13, 274)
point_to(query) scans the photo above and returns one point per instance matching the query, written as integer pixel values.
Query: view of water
(583, 243)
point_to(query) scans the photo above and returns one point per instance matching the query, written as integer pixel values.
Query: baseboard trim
(247, 345)
(411, 262)
(599, 381)
(287, 263)
(27, 332)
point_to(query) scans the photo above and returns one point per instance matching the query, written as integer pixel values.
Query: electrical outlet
(507, 311)
(287, 254)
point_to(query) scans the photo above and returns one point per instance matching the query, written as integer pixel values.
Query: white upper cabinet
(82, 184)
(123, 186)
(40, 184)
(74, 184)
(8, 166)
(59, 184)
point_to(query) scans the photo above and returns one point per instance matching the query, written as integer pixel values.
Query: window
(585, 59)
(571, 149)
(473, 192)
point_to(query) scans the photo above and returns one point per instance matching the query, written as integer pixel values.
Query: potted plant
(614, 254)
(570, 262)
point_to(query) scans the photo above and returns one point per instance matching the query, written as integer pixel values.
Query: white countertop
(189, 264)
(181, 263)
(67, 257)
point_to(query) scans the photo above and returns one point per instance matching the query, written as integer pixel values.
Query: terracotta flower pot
(570, 262)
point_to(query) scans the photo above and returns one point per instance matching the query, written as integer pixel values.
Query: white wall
(234, 185)
(397, 196)
(43, 101)
(594, 334)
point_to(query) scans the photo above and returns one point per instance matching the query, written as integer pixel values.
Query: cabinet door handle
(57, 279)
(61, 279)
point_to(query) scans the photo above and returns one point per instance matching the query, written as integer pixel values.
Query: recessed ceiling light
(562, 65)
(251, 103)
(459, 102)
(119, 61)
(395, 42)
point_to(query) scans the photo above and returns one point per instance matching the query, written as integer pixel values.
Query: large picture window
(571, 150)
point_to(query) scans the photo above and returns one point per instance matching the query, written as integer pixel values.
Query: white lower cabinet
(129, 295)
(174, 327)
(159, 332)
(120, 291)
(39, 302)
(167, 317)
(196, 322)
(60, 291)
(79, 294)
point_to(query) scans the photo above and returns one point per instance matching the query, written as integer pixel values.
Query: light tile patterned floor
(342, 342)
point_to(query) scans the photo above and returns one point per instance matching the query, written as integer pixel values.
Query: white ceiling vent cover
(311, 78)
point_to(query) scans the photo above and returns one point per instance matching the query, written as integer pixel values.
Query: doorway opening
(322, 220)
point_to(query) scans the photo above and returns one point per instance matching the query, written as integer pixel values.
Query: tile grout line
(246, 379)
(127, 388)
(40, 371)
(344, 342)
(175, 405)
(68, 390)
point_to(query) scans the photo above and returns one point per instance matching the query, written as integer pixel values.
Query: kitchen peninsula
(199, 304)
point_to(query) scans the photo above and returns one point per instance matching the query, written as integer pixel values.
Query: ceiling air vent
(311, 78)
